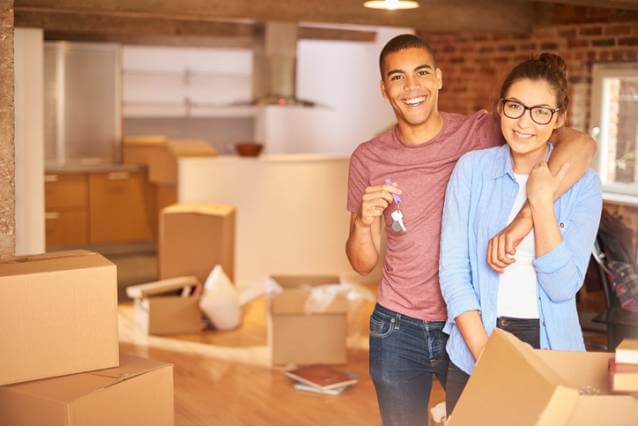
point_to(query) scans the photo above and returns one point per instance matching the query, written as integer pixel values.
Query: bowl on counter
(248, 149)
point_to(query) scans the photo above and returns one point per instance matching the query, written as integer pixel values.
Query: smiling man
(401, 175)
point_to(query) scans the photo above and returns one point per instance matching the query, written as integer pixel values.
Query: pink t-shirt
(410, 283)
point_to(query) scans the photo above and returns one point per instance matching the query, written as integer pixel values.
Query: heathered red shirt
(410, 283)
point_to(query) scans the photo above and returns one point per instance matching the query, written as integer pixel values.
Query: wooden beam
(7, 131)
(320, 33)
(152, 40)
(611, 4)
(511, 16)
(164, 31)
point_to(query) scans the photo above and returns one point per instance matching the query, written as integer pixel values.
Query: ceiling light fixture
(391, 4)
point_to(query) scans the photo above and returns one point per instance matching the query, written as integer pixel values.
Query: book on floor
(321, 377)
(623, 377)
(307, 388)
(627, 352)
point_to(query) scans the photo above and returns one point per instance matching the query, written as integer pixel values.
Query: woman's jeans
(527, 330)
(405, 354)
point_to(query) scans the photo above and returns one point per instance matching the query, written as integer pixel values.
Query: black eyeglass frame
(502, 101)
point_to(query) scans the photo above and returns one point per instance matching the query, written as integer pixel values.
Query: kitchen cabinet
(66, 215)
(122, 207)
(85, 207)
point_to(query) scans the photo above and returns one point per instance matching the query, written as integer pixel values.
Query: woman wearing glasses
(533, 294)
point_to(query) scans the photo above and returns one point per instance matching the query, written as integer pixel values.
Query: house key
(397, 214)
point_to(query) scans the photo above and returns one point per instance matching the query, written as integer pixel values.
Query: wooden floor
(225, 378)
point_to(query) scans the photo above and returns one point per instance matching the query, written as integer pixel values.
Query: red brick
(603, 42)
(628, 41)
(549, 46)
(568, 33)
(631, 55)
(591, 55)
(604, 55)
(527, 46)
(617, 55)
(486, 49)
(507, 48)
(577, 42)
(467, 48)
(618, 30)
(521, 58)
(591, 31)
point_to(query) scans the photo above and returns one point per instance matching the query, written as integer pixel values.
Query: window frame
(626, 193)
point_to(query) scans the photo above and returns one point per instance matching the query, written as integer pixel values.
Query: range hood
(275, 66)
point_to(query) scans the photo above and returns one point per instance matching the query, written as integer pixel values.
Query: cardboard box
(160, 155)
(513, 384)
(167, 307)
(297, 337)
(193, 238)
(139, 392)
(58, 315)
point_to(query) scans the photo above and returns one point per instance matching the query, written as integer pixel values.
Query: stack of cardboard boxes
(60, 362)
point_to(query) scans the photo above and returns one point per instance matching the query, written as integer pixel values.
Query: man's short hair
(404, 41)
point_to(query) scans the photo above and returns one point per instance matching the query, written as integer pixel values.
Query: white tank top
(517, 291)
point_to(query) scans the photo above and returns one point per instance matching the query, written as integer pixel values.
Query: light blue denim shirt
(478, 201)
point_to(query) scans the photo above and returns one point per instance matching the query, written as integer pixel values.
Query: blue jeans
(405, 353)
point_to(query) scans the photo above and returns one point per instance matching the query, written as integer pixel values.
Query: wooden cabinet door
(120, 208)
(66, 209)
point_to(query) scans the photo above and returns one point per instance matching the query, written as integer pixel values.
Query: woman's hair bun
(554, 61)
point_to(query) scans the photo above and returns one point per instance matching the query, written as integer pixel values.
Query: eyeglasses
(539, 114)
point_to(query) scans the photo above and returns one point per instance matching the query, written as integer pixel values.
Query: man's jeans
(405, 353)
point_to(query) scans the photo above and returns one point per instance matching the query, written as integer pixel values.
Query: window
(614, 123)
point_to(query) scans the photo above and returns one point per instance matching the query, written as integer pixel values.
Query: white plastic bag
(220, 300)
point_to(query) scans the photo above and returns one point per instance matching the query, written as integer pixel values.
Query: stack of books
(623, 368)
(321, 379)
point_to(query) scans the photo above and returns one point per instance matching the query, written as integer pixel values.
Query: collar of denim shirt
(503, 164)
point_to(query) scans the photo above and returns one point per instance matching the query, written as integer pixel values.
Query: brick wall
(475, 64)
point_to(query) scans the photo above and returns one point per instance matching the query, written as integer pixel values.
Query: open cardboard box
(195, 237)
(168, 306)
(513, 384)
(138, 392)
(58, 315)
(297, 337)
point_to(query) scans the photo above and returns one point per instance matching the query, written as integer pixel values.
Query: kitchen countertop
(59, 168)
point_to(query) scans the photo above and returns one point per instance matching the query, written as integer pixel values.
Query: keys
(397, 221)
(397, 215)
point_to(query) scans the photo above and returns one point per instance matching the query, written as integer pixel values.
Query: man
(401, 175)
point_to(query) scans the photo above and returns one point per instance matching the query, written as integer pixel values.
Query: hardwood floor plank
(225, 378)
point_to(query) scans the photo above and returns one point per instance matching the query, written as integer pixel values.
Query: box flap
(190, 148)
(291, 281)
(292, 301)
(507, 369)
(68, 388)
(199, 208)
(162, 286)
(559, 408)
(578, 369)
(145, 140)
(50, 262)
(618, 410)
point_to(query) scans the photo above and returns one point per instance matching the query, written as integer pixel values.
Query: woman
(534, 296)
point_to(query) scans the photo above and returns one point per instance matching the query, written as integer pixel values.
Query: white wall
(343, 76)
(29, 140)
(291, 216)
